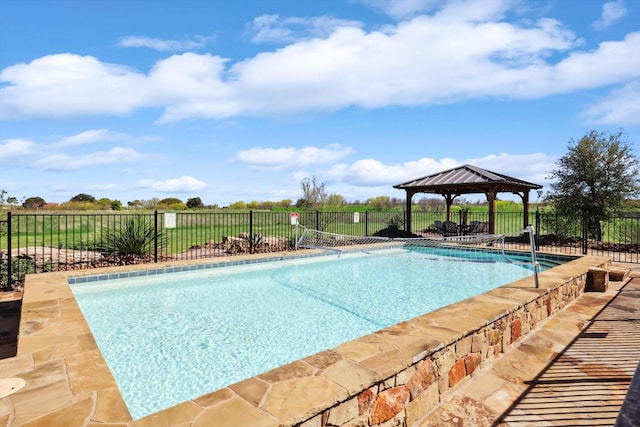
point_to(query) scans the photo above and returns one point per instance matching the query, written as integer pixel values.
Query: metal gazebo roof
(468, 179)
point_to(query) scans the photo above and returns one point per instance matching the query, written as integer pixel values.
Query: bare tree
(313, 192)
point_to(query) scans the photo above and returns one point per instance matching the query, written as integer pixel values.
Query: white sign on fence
(294, 218)
(169, 220)
(356, 217)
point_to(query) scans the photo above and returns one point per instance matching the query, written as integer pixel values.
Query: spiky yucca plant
(135, 237)
(255, 240)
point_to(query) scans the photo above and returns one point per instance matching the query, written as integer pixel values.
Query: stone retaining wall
(409, 394)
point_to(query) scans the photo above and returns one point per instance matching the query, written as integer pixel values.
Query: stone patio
(575, 369)
(479, 362)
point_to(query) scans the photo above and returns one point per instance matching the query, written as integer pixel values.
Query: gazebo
(468, 179)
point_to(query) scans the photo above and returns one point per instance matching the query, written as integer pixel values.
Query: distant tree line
(598, 175)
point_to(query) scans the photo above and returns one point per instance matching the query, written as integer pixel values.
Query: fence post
(155, 236)
(366, 223)
(250, 231)
(585, 231)
(537, 229)
(9, 269)
(317, 219)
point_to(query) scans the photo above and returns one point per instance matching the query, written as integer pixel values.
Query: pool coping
(69, 383)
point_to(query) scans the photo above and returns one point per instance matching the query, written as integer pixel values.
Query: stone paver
(463, 354)
(575, 369)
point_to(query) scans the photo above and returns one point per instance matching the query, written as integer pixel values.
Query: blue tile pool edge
(223, 263)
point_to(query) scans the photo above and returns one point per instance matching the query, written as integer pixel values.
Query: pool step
(619, 274)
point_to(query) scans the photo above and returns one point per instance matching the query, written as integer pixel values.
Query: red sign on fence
(294, 218)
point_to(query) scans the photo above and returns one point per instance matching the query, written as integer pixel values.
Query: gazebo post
(491, 198)
(449, 198)
(525, 210)
(407, 220)
(524, 196)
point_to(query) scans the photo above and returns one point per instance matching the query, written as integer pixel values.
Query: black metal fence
(41, 242)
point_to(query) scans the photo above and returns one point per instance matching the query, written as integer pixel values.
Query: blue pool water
(172, 337)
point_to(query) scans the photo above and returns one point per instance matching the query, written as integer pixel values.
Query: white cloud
(273, 29)
(620, 107)
(291, 157)
(13, 149)
(89, 137)
(63, 162)
(533, 167)
(70, 85)
(611, 12)
(373, 173)
(175, 185)
(462, 51)
(198, 42)
(191, 85)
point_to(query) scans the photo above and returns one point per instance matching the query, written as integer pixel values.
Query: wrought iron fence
(5, 255)
(42, 242)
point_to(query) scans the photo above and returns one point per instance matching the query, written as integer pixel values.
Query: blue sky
(240, 100)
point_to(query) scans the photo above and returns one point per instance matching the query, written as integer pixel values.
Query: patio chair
(473, 227)
(439, 227)
(450, 228)
(482, 228)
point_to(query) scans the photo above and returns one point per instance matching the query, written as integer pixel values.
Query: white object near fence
(169, 220)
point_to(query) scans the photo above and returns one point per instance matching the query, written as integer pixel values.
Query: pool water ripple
(172, 337)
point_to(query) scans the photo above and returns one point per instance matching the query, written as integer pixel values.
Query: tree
(238, 205)
(10, 200)
(116, 205)
(82, 197)
(104, 203)
(135, 204)
(171, 203)
(151, 203)
(336, 200)
(313, 192)
(303, 203)
(380, 202)
(195, 203)
(598, 173)
(431, 204)
(33, 203)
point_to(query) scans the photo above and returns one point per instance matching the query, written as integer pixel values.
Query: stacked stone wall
(405, 397)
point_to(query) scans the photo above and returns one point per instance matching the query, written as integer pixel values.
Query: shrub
(255, 241)
(559, 228)
(395, 222)
(20, 267)
(137, 236)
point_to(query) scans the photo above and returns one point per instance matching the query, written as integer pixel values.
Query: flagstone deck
(575, 369)
(374, 380)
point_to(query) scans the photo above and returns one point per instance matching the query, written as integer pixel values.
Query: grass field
(86, 230)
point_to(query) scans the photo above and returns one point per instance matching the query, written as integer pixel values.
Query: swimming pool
(171, 337)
